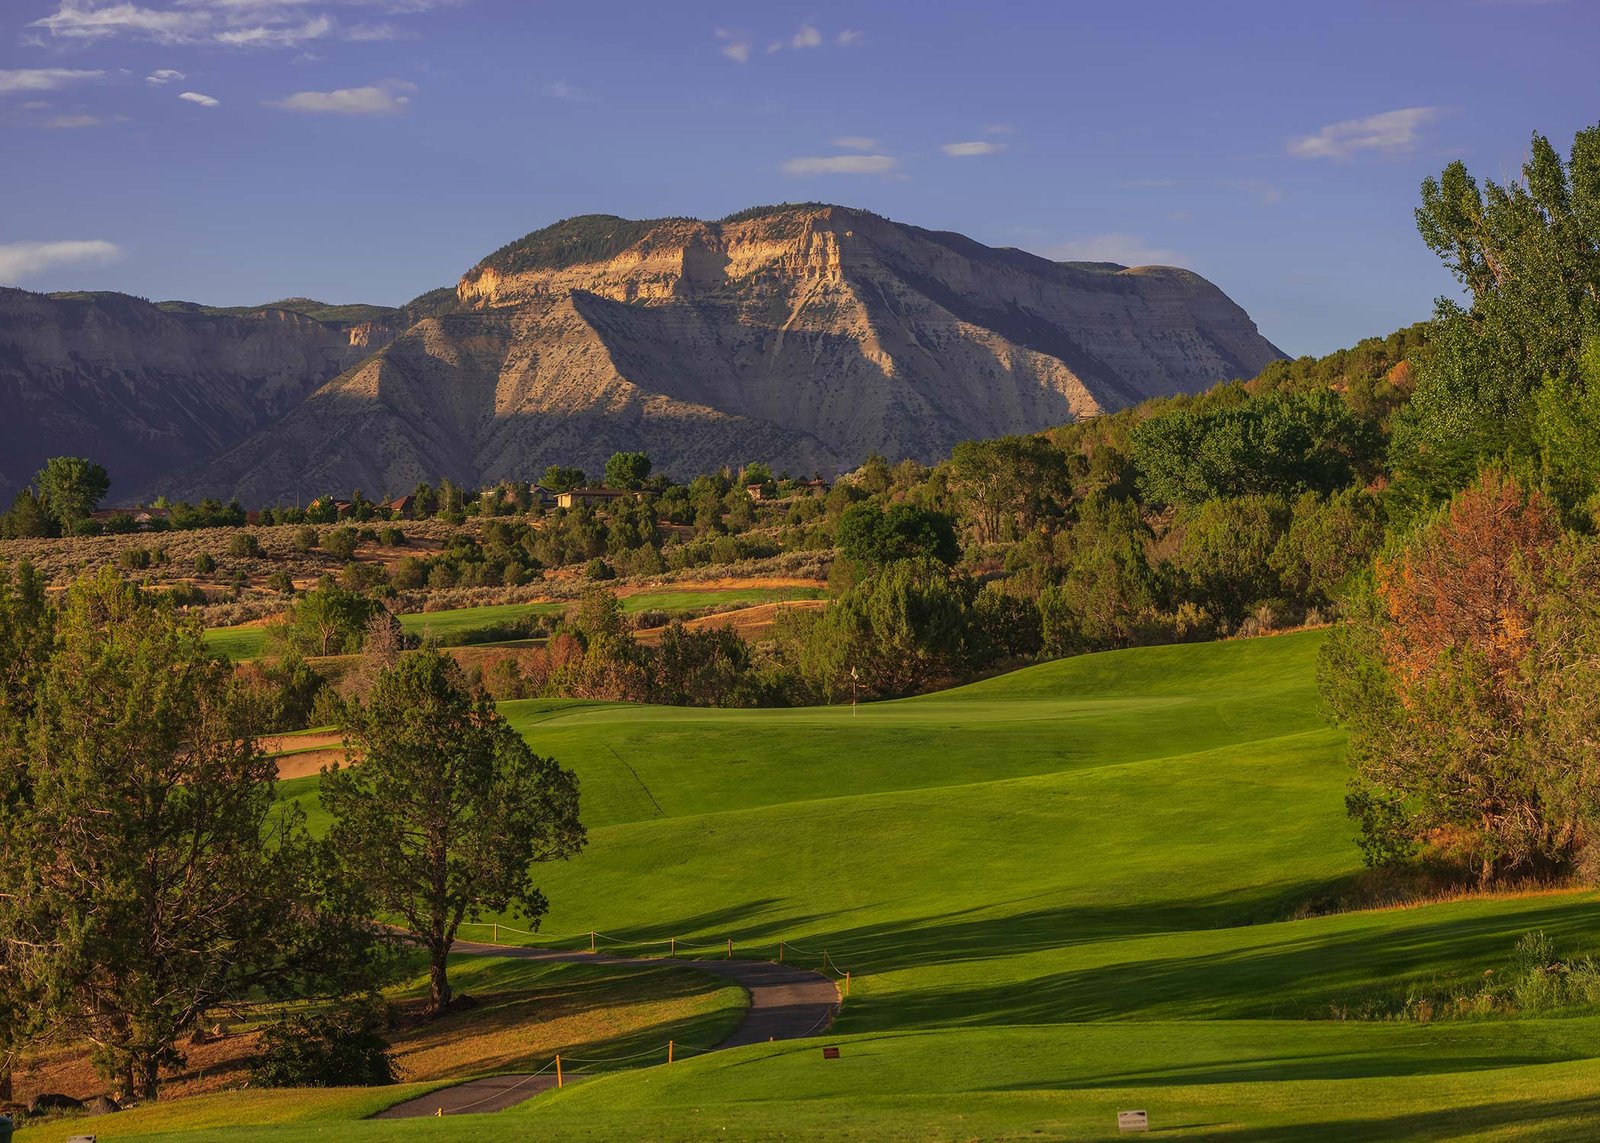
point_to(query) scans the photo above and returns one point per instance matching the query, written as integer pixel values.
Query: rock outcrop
(146, 390)
(807, 336)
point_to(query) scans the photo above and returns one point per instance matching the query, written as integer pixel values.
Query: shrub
(305, 539)
(339, 1049)
(340, 543)
(598, 569)
(280, 582)
(391, 537)
(204, 564)
(245, 545)
(134, 559)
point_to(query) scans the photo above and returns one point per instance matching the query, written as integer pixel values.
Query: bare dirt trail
(786, 1003)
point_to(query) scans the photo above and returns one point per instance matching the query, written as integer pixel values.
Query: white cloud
(966, 150)
(855, 142)
(70, 122)
(561, 89)
(735, 45)
(806, 37)
(842, 165)
(164, 75)
(277, 35)
(230, 23)
(382, 99)
(43, 78)
(22, 260)
(850, 38)
(196, 97)
(1390, 132)
(1124, 249)
(1000, 129)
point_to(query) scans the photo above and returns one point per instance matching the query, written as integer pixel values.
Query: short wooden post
(591, 942)
(558, 1070)
(780, 952)
(496, 932)
(730, 948)
(669, 1051)
(672, 946)
(847, 984)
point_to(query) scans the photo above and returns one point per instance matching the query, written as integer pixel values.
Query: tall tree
(627, 470)
(1004, 484)
(71, 487)
(1528, 252)
(150, 874)
(446, 809)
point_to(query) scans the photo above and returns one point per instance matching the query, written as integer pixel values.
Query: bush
(598, 569)
(134, 559)
(305, 539)
(391, 537)
(204, 564)
(339, 1049)
(245, 545)
(340, 543)
(280, 582)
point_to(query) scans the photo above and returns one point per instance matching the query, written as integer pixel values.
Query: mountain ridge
(809, 335)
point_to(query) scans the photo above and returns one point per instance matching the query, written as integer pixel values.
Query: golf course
(1097, 884)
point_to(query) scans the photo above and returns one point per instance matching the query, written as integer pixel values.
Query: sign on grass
(1133, 1121)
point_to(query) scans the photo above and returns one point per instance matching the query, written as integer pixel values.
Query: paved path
(786, 1003)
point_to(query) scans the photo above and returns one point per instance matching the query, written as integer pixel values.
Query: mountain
(148, 389)
(809, 336)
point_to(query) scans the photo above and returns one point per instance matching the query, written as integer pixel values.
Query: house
(817, 487)
(579, 496)
(144, 519)
(400, 508)
(756, 491)
(541, 497)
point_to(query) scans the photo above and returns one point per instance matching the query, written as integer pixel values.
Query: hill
(146, 389)
(808, 335)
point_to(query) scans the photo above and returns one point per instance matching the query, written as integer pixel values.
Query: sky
(239, 151)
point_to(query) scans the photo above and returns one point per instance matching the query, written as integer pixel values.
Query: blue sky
(235, 151)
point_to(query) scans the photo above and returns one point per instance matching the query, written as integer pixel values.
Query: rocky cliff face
(146, 391)
(808, 336)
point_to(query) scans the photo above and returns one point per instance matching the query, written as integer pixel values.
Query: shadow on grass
(1534, 1119)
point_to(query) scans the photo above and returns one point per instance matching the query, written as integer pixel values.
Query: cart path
(786, 1003)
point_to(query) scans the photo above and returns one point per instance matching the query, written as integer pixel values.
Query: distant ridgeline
(807, 334)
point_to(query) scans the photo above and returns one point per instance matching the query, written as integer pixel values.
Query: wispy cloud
(164, 75)
(1000, 129)
(43, 78)
(969, 149)
(70, 122)
(230, 23)
(380, 99)
(855, 142)
(735, 45)
(561, 89)
(1123, 249)
(850, 38)
(806, 37)
(1389, 132)
(196, 97)
(20, 261)
(842, 165)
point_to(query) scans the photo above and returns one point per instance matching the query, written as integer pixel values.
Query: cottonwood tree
(1006, 483)
(445, 810)
(71, 487)
(150, 875)
(1469, 680)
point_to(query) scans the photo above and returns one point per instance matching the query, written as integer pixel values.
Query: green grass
(452, 627)
(1058, 893)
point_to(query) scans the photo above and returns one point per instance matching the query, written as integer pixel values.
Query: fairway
(1058, 893)
(452, 627)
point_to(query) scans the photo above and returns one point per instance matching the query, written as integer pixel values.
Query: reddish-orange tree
(1466, 680)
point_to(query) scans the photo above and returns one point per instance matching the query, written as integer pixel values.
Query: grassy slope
(250, 641)
(1058, 893)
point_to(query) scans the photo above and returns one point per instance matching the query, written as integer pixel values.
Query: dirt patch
(308, 762)
(723, 583)
(749, 623)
